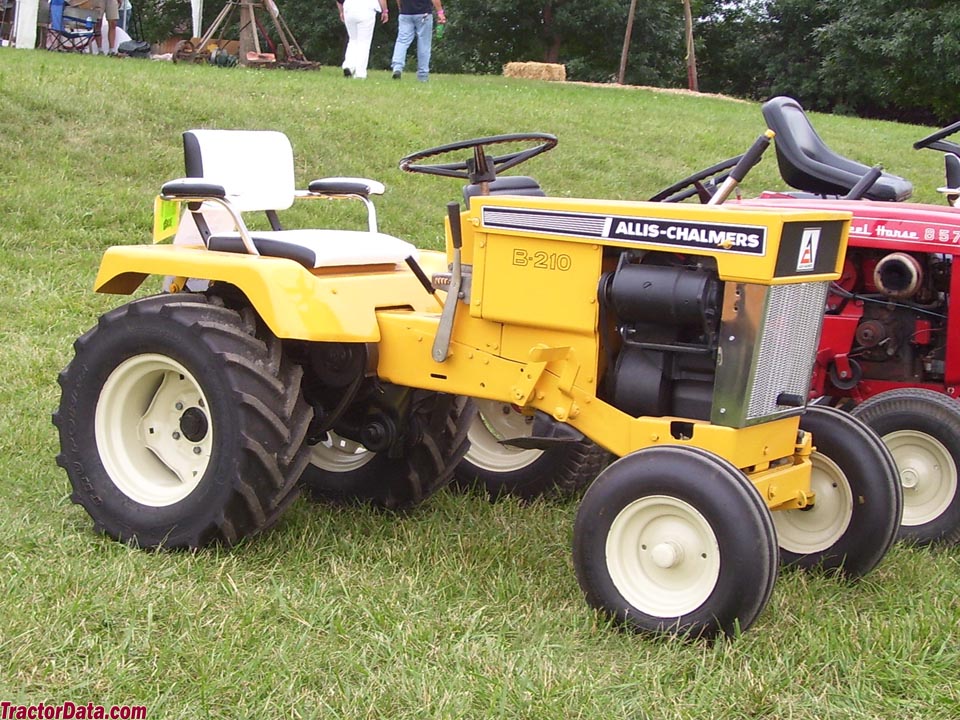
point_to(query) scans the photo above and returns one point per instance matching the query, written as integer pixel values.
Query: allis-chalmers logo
(742, 239)
(809, 244)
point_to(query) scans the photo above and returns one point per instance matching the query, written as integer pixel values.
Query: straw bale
(535, 71)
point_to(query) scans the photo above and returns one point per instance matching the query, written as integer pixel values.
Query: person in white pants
(360, 17)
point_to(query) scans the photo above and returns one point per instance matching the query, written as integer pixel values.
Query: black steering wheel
(938, 135)
(481, 167)
(702, 184)
(933, 140)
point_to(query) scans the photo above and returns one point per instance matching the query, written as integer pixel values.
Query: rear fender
(333, 305)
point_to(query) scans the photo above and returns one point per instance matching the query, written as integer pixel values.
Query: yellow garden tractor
(678, 338)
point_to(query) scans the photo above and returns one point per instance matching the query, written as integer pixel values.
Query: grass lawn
(462, 608)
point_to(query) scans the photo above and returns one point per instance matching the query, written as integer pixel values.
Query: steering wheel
(702, 183)
(931, 140)
(481, 167)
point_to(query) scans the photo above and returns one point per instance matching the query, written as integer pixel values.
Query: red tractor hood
(892, 225)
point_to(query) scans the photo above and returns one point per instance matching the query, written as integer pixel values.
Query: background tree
(894, 59)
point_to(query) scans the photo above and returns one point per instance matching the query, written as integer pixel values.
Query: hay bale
(535, 71)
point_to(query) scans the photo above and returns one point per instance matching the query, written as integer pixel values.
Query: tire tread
(273, 420)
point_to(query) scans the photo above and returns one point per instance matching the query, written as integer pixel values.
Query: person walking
(416, 21)
(111, 10)
(360, 17)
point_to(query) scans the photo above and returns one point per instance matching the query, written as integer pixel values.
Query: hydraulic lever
(441, 343)
(750, 158)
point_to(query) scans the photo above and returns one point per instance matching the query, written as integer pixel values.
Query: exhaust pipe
(898, 275)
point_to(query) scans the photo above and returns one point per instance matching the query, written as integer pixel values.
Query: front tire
(858, 505)
(561, 470)
(922, 430)
(181, 423)
(675, 540)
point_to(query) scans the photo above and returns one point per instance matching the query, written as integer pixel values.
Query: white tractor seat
(321, 248)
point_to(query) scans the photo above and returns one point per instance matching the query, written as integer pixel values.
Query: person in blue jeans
(416, 21)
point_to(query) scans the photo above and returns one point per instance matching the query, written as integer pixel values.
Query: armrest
(346, 186)
(193, 189)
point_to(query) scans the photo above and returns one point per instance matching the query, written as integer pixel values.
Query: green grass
(461, 609)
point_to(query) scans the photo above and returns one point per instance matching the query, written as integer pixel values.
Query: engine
(662, 320)
(900, 300)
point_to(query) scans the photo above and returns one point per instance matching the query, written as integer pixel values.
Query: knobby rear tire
(342, 470)
(561, 470)
(181, 423)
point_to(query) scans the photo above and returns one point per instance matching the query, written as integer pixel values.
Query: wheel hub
(153, 431)
(927, 472)
(667, 554)
(339, 454)
(494, 422)
(663, 556)
(818, 527)
(909, 478)
(194, 424)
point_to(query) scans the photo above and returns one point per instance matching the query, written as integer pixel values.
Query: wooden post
(692, 83)
(249, 41)
(626, 42)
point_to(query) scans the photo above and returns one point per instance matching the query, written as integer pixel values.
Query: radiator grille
(788, 345)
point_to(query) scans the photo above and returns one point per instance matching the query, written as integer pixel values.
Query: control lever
(865, 183)
(441, 343)
(750, 158)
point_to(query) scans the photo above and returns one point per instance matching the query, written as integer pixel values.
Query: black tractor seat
(953, 176)
(807, 164)
(508, 185)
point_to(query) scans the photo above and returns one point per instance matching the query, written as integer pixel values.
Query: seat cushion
(321, 248)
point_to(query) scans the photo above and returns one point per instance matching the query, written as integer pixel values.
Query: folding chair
(252, 170)
(71, 29)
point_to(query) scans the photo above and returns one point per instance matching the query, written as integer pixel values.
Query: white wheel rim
(821, 526)
(928, 475)
(153, 430)
(663, 556)
(338, 454)
(496, 421)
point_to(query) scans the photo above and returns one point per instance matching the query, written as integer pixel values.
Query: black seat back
(510, 185)
(807, 164)
(953, 174)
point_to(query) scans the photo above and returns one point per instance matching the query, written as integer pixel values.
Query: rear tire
(922, 430)
(562, 470)
(181, 423)
(344, 470)
(675, 540)
(858, 503)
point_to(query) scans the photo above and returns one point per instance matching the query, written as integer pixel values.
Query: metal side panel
(768, 342)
